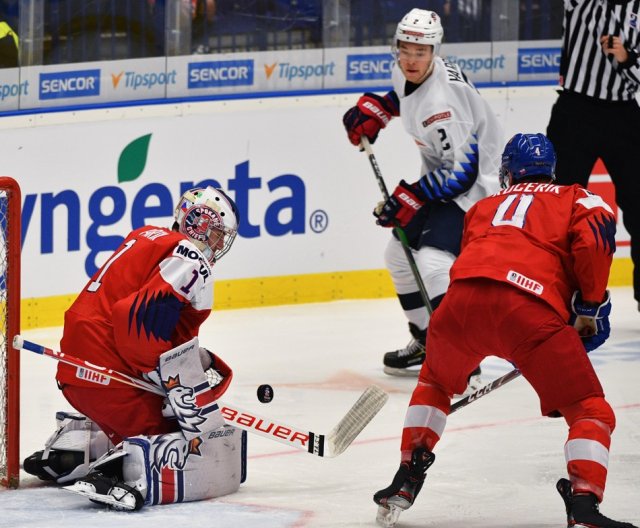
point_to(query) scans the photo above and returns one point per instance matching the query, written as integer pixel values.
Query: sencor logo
(369, 67)
(538, 60)
(214, 74)
(81, 83)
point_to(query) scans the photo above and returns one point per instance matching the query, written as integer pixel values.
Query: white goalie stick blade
(388, 516)
(88, 491)
(362, 412)
(329, 445)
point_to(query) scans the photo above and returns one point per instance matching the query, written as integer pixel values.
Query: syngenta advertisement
(305, 203)
(304, 193)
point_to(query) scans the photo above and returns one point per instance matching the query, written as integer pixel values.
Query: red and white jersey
(546, 239)
(152, 294)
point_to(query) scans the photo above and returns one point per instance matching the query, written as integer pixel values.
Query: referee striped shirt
(584, 67)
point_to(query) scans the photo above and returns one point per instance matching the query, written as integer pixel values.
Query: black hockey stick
(490, 387)
(323, 445)
(402, 237)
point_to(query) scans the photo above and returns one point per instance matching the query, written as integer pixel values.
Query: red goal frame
(12, 234)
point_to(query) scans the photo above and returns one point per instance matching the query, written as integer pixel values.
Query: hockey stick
(323, 445)
(490, 387)
(402, 237)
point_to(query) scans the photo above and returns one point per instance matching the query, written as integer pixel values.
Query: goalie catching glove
(591, 320)
(371, 114)
(401, 207)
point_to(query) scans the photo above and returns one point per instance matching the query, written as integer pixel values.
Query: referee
(596, 114)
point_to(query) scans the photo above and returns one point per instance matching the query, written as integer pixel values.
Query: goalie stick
(323, 445)
(364, 142)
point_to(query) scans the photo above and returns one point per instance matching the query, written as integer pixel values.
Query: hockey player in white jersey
(459, 139)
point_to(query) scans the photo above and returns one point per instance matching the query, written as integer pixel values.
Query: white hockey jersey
(459, 136)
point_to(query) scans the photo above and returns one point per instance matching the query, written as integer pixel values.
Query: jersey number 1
(93, 287)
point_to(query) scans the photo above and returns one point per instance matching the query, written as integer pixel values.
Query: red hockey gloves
(401, 207)
(591, 320)
(370, 115)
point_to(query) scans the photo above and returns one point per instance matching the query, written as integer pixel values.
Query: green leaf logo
(133, 159)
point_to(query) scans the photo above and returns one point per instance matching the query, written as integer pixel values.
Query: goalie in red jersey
(140, 315)
(530, 287)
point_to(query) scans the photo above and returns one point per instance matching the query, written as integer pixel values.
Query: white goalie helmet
(209, 218)
(420, 26)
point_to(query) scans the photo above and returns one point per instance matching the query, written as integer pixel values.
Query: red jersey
(546, 239)
(152, 294)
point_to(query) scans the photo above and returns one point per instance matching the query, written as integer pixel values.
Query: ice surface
(496, 465)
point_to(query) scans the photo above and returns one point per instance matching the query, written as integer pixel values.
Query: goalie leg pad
(168, 468)
(165, 469)
(188, 390)
(69, 451)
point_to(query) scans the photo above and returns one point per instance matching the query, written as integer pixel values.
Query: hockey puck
(265, 393)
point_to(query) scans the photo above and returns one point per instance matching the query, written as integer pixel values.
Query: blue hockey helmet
(527, 155)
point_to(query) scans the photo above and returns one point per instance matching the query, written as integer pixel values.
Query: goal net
(10, 321)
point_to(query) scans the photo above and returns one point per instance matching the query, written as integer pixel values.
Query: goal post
(10, 246)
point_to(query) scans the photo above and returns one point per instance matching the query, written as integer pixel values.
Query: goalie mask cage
(10, 234)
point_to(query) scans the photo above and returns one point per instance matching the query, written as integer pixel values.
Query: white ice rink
(496, 466)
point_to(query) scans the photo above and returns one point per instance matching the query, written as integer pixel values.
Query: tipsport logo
(290, 72)
(143, 81)
(10, 91)
(61, 85)
(369, 67)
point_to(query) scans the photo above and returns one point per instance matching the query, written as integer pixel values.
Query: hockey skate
(404, 489)
(58, 462)
(583, 509)
(109, 490)
(408, 360)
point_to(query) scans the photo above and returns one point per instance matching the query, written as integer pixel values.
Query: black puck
(265, 393)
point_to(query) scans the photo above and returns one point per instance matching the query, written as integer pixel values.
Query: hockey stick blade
(371, 401)
(340, 437)
(490, 387)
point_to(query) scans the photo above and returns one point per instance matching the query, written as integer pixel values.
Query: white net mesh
(3, 335)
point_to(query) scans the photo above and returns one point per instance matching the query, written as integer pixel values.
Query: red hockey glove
(370, 115)
(401, 207)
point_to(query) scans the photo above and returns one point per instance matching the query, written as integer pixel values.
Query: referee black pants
(583, 129)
